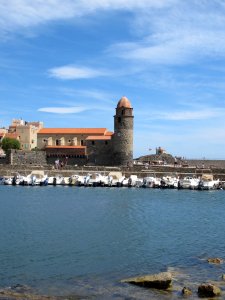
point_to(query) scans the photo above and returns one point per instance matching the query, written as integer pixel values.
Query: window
(106, 142)
(119, 119)
(82, 143)
(93, 142)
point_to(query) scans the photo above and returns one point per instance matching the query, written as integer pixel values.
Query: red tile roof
(72, 131)
(109, 133)
(98, 137)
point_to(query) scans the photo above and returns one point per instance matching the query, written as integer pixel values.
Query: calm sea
(83, 241)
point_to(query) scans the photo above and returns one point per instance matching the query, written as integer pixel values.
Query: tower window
(93, 142)
(82, 143)
(119, 119)
(106, 142)
(123, 112)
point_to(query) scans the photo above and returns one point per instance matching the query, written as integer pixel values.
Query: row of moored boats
(114, 179)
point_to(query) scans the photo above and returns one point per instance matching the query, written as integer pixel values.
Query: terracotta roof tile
(72, 131)
(109, 133)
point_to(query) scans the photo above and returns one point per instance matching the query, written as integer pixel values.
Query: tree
(9, 143)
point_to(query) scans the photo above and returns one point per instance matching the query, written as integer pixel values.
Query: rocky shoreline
(172, 283)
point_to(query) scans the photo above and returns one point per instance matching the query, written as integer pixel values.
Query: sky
(67, 63)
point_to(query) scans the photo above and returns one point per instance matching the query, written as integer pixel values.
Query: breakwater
(139, 170)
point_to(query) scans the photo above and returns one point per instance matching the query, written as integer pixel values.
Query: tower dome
(124, 102)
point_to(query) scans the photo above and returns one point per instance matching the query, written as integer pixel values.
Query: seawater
(84, 241)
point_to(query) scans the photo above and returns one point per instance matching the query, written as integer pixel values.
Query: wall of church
(100, 152)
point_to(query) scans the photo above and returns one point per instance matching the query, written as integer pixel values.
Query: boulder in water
(158, 281)
(215, 260)
(186, 291)
(208, 290)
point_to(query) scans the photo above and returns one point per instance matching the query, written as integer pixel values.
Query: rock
(186, 291)
(158, 281)
(215, 260)
(208, 290)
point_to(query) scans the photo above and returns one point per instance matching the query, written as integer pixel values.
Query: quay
(216, 168)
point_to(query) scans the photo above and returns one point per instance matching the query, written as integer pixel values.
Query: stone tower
(123, 133)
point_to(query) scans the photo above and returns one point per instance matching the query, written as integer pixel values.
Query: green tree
(9, 143)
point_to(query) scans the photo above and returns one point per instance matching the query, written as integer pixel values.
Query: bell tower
(123, 133)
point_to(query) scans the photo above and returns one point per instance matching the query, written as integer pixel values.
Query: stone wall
(70, 161)
(123, 136)
(99, 152)
(21, 157)
(3, 160)
(208, 163)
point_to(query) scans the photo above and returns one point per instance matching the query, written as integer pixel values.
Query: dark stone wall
(3, 160)
(123, 140)
(100, 153)
(21, 157)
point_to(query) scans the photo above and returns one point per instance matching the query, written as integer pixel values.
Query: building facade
(25, 132)
(97, 146)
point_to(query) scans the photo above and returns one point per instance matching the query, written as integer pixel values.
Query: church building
(96, 146)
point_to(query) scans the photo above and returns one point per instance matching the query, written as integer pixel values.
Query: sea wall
(141, 171)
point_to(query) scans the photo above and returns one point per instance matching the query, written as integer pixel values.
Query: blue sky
(67, 63)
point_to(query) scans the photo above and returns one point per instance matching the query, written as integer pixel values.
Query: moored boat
(207, 182)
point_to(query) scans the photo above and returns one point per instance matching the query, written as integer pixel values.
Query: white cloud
(62, 110)
(73, 72)
(15, 14)
(169, 32)
(179, 34)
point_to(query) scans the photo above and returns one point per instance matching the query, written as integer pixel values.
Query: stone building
(97, 146)
(25, 132)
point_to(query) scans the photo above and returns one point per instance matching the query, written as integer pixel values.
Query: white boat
(2, 180)
(133, 181)
(188, 182)
(106, 180)
(95, 179)
(56, 180)
(35, 178)
(66, 180)
(17, 179)
(8, 180)
(44, 180)
(87, 180)
(76, 180)
(151, 182)
(114, 177)
(207, 182)
(169, 182)
(121, 181)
